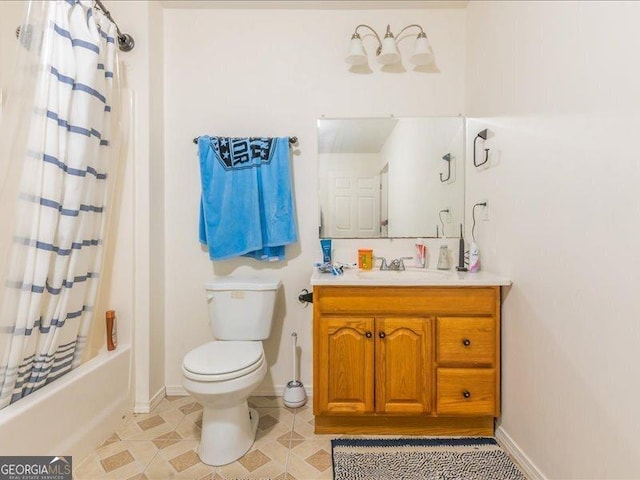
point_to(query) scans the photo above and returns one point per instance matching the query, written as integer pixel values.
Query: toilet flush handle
(209, 298)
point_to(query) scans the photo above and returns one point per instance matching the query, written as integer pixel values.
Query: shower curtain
(58, 153)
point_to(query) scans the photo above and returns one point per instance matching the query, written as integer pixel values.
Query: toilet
(222, 374)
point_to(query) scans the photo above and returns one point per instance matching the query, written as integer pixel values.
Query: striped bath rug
(460, 458)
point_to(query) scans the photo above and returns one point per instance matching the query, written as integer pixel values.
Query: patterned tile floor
(162, 445)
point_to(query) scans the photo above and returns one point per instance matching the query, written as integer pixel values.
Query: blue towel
(246, 207)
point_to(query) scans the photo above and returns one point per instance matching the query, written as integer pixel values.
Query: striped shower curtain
(51, 276)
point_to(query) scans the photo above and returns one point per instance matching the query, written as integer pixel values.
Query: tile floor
(161, 445)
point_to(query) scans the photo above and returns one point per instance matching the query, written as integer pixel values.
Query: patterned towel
(246, 206)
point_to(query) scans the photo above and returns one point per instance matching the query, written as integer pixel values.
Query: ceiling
(366, 135)
(316, 4)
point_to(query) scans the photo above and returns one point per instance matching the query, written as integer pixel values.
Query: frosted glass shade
(422, 54)
(389, 53)
(357, 54)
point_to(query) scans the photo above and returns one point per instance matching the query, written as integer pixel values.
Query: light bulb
(389, 52)
(422, 54)
(357, 54)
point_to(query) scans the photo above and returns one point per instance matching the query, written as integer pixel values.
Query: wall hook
(483, 135)
(447, 158)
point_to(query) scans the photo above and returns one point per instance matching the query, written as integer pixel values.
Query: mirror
(391, 177)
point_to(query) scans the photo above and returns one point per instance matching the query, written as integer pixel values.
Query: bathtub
(72, 415)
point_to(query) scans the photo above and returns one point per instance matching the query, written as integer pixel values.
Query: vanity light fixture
(387, 51)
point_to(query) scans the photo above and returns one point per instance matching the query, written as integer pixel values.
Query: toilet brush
(294, 394)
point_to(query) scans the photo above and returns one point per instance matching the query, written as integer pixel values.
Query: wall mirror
(391, 177)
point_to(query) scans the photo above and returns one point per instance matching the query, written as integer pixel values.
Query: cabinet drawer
(466, 340)
(421, 301)
(466, 391)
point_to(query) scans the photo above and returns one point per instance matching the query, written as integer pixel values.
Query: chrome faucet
(396, 265)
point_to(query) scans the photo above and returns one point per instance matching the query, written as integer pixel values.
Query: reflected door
(354, 205)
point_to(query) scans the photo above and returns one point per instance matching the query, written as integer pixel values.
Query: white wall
(138, 281)
(156, 199)
(557, 83)
(12, 11)
(275, 72)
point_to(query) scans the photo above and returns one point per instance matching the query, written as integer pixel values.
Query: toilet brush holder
(294, 393)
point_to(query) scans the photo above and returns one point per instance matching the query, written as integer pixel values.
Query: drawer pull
(368, 335)
(381, 335)
(466, 342)
(466, 394)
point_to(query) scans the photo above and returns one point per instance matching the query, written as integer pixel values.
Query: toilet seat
(223, 360)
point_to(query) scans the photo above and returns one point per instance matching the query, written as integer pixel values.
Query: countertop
(415, 277)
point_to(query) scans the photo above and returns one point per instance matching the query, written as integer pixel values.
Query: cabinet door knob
(466, 394)
(368, 335)
(466, 342)
(381, 334)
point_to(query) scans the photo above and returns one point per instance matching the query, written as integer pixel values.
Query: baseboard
(266, 391)
(157, 398)
(146, 407)
(176, 391)
(530, 469)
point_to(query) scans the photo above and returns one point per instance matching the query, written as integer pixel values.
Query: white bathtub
(72, 415)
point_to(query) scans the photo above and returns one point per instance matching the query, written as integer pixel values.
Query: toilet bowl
(228, 424)
(222, 374)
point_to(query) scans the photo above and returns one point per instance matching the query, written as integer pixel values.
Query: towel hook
(483, 135)
(446, 158)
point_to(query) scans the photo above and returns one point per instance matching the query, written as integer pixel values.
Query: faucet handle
(402, 259)
(383, 265)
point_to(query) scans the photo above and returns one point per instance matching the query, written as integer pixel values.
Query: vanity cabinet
(412, 360)
(374, 365)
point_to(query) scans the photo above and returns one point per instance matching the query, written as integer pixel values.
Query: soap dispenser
(443, 258)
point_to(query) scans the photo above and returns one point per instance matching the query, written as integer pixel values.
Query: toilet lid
(223, 357)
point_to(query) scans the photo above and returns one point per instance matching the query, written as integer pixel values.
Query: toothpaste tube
(325, 244)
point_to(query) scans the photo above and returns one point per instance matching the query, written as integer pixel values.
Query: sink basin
(407, 278)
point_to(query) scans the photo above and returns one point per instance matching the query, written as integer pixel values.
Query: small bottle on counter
(365, 258)
(112, 333)
(443, 258)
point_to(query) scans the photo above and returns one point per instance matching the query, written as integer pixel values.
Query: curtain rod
(125, 41)
(292, 140)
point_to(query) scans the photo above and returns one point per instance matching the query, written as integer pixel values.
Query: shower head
(447, 157)
(483, 134)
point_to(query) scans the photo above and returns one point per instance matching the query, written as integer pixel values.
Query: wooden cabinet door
(403, 365)
(345, 357)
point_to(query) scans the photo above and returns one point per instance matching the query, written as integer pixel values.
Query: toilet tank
(241, 308)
